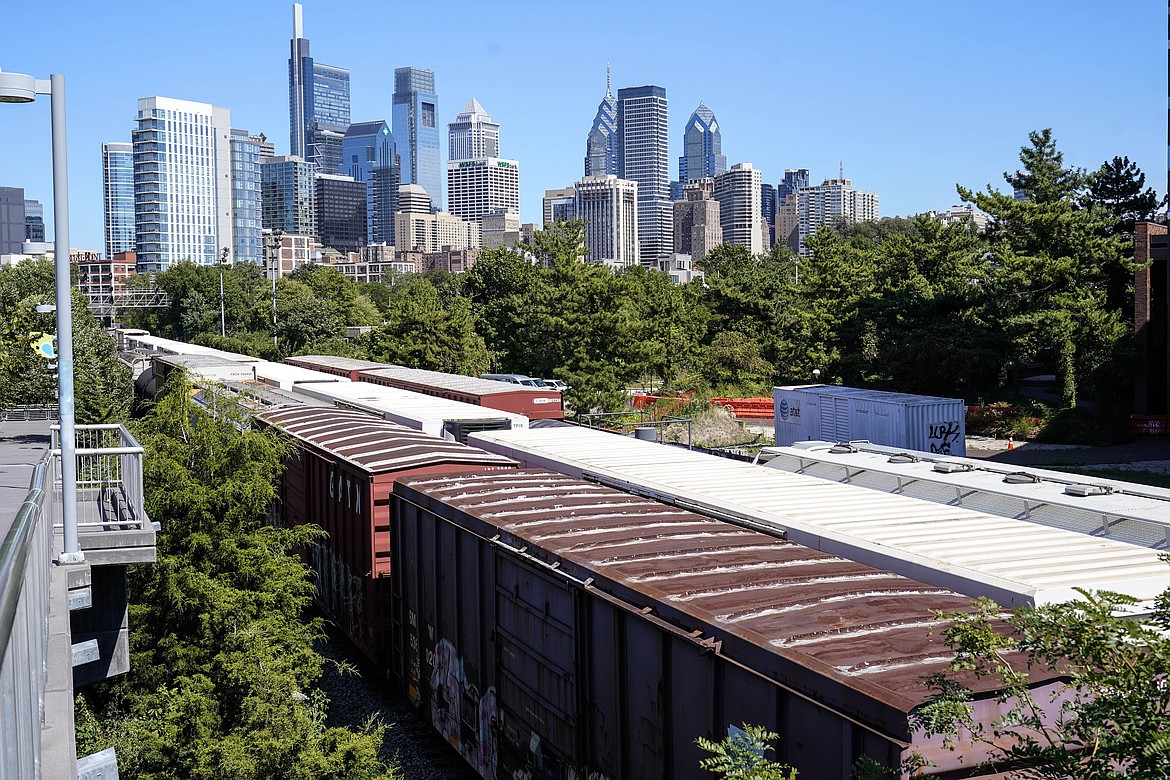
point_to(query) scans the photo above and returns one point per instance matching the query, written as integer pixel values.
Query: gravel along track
(420, 752)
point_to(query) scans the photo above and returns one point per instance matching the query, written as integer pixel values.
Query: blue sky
(913, 97)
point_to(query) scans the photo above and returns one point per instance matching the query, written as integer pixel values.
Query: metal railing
(25, 560)
(27, 412)
(618, 421)
(109, 477)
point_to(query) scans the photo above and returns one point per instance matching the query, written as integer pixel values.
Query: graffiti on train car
(340, 592)
(467, 718)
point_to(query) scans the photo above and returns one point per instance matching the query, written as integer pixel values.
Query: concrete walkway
(1147, 453)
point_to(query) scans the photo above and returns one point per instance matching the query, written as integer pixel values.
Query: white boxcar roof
(285, 376)
(424, 409)
(172, 347)
(1124, 511)
(1012, 561)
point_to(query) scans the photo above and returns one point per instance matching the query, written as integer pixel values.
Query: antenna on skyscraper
(841, 171)
(607, 77)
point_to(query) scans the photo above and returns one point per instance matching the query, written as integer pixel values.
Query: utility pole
(274, 243)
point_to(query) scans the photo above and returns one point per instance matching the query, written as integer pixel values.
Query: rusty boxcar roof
(374, 444)
(821, 624)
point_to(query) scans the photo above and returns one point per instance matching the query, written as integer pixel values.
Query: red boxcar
(341, 478)
(535, 403)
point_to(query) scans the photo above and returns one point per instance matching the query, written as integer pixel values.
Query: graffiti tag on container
(943, 435)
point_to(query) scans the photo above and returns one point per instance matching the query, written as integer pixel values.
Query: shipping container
(841, 414)
(440, 417)
(1010, 560)
(1123, 511)
(560, 629)
(340, 478)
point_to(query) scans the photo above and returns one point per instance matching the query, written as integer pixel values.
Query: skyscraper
(702, 147)
(833, 199)
(795, 179)
(601, 145)
(118, 197)
(643, 157)
(738, 193)
(416, 129)
(473, 135)
(697, 229)
(341, 212)
(368, 155)
(768, 212)
(289, 196)
(609, 207)
(318, 102)
(559, 206)
(182, 183)
(248, 152)
(476, 188)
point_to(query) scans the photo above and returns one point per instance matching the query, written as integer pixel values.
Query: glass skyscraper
(118, 192)
(34, 221)
(248, 152)
(416, 130)
(289, 196)
(601, 145)
(795, 179)
(643, 146)
(368, 155)
(318, 103)
(702, 147)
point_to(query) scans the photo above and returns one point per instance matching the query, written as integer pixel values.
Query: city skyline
(942, 99)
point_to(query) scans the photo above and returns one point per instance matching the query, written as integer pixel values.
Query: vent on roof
(1021, 478)
(1088, 490)
(952, 468)
(842, 449)
(903, 457)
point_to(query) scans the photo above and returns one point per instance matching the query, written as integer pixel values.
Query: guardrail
(25, 559)
(109, 477)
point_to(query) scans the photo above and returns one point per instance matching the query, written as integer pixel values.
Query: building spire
(841, 170)
(298, 25)
(607, 92)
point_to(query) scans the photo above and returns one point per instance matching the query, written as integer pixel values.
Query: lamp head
(20, 88)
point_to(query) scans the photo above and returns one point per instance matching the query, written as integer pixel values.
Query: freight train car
(534, 403)
(1010, 560)
(341, 479)
(561, 629)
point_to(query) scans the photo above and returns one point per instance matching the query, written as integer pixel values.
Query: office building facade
(738, 193)
(832, 200)
(601, 145)
(416, 129)
(421, 230)
(500, 229)
(11, 220)
(768, 212)
(476, 188)
(248, 153)
(341, 212)
(288, 196)
(369, 155)
(318, 100)
(118, 196)
(34, 221)
(702, 156)
(795, 179)
(644, 145)
(473, 135)
(697, 229)
(609, 208)
(559, 206)
(182, 182)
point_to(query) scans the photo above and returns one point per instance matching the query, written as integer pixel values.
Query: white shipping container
(834, 413)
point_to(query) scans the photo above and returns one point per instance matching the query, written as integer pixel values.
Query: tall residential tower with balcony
(118, 197)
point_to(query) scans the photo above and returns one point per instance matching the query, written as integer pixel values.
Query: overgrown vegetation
(223, 666)
(743, 756)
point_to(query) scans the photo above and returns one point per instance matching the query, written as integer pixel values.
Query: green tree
(223, 671)
(1052, 257)
(1119, 188)
(560, 242)
(421, 332)
(1110, 719)
(741, 756)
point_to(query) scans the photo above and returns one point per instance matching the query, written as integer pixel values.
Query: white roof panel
(976, 553)
(416, 406)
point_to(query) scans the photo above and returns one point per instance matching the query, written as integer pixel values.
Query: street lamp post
(21, 88)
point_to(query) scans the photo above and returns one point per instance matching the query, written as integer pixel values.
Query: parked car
(515, 379)
(555, 384)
